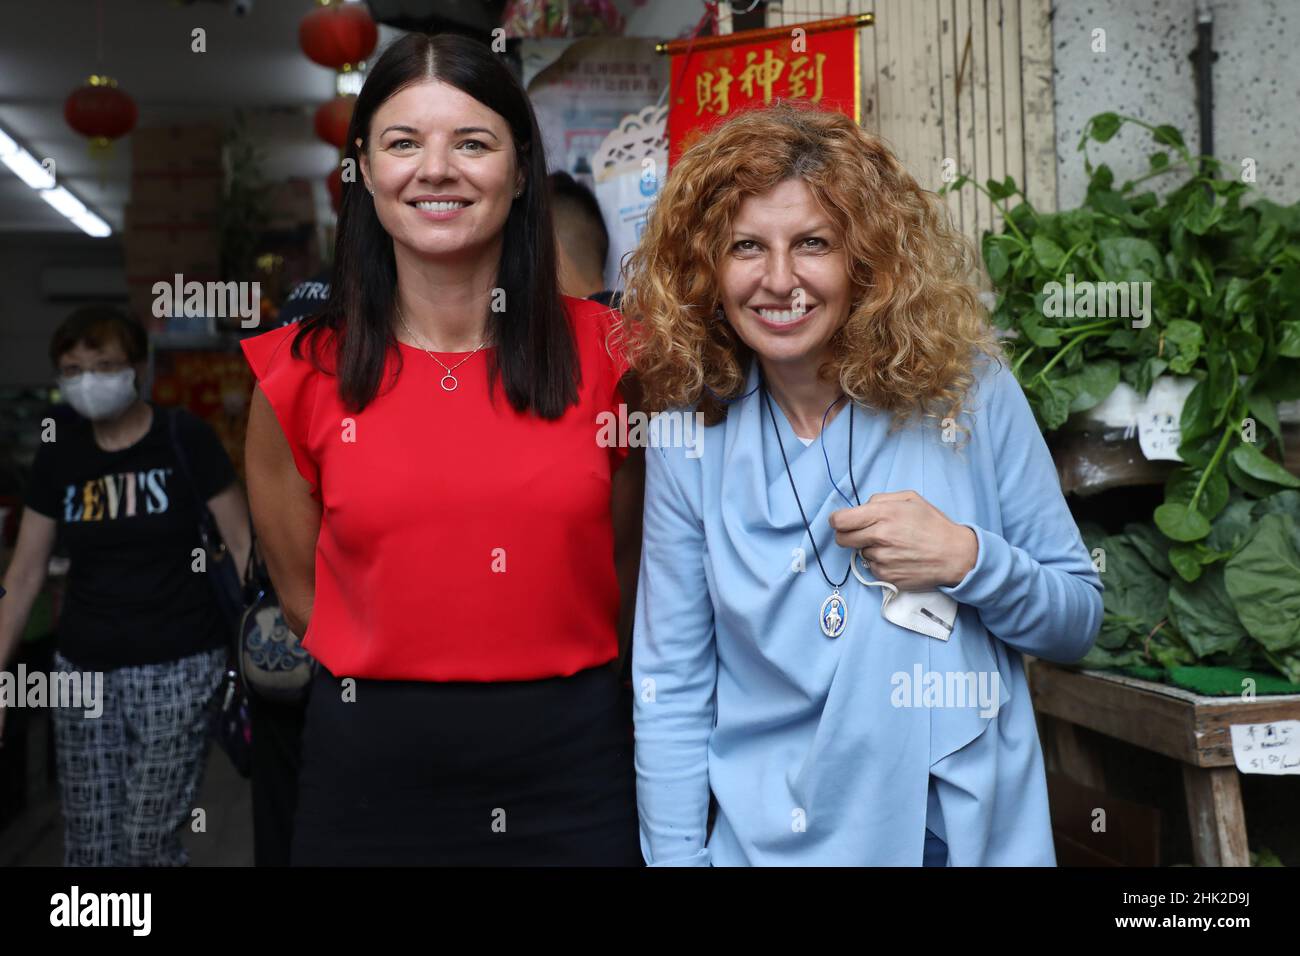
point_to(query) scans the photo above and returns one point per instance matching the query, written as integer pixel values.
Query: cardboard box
(176, 149)
(160, 252)
(139, 215)
(290, 205)
(190, 197)
(141, 300)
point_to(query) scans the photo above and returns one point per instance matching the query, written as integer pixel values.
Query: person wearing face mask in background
(107, 481)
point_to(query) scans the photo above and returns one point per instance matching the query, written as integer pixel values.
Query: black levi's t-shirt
(129, 522)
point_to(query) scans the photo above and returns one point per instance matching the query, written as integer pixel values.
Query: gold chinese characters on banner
(710, 85)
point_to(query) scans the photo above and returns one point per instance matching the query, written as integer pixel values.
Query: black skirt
(532, 773)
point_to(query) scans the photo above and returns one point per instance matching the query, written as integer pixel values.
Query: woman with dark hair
(841, 674)
(434, 503)
(138, 613)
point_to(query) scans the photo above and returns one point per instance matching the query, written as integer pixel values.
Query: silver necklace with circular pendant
(449, 377)
(834, 614)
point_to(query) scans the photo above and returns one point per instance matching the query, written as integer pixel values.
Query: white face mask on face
(100, 395)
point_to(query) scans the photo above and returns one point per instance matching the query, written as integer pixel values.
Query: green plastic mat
(1213, 681)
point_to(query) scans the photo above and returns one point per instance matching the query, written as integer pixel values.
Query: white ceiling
(253, 62)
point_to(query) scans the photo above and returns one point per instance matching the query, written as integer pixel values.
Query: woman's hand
(907, 541)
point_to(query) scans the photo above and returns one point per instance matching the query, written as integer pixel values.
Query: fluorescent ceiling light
(25, 166)
(92, 225)
(63, 201)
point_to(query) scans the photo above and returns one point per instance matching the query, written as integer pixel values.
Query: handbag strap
(205, 513)
(207, 521)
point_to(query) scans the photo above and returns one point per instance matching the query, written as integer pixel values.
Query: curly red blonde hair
(915, 325)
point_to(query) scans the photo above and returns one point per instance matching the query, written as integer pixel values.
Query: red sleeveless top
(459, 540)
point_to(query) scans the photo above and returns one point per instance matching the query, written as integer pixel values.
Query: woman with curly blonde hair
(839, 578)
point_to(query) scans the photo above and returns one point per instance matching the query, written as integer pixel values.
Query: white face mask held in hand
(100, 395)
(931, 613)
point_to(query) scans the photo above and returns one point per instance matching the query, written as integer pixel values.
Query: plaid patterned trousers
(127, 778)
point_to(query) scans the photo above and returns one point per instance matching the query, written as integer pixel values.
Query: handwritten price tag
(1158, 418)
(1267, 748)
(1159, 435)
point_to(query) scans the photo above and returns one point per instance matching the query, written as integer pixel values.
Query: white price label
(1267, 748)
(1159, 433)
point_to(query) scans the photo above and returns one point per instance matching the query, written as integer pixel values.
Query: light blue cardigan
(815, 749)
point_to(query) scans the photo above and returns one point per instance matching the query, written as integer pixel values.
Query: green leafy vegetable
(1263, 580)
(1196, 281)
(1201, 280)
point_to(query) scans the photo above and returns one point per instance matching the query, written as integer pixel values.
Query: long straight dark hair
(535, 354)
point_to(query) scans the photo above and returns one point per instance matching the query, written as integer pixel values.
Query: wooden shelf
(1190, 728)
(1092, 458)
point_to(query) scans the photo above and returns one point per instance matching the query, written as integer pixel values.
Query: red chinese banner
(724, 75)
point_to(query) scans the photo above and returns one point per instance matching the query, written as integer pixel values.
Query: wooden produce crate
(1092, 458)
(1190, 728)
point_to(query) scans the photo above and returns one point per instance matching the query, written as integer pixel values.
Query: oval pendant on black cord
(834, 615)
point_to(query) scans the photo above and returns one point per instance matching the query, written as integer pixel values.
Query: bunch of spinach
(1224, 309)
(1243, 611)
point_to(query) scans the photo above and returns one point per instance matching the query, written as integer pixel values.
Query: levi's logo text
(112, 497)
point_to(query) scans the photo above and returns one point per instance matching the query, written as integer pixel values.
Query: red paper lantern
(334, 182)
(100, 110)
(332, 120)
(338, 35)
